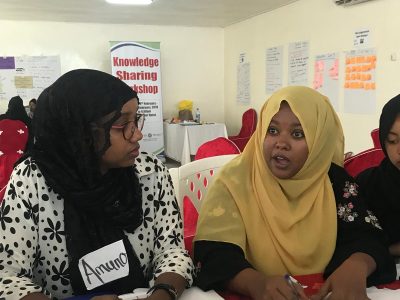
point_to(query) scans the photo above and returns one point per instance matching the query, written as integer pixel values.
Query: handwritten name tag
(104, 265)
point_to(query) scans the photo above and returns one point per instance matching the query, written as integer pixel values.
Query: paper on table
(382, 294)
(194, 293)
(189, 123)
(140, 293)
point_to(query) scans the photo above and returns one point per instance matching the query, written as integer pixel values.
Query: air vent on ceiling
(349, 2)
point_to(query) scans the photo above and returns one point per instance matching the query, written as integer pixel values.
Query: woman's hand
(257, 286)
(35, 296)
(159, 295)
(278, 288)
(394, 249)
(349, 281)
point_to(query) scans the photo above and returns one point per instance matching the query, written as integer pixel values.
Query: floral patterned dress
(33, 255)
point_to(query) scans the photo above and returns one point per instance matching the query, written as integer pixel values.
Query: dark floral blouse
(33, 255)
(358, 231)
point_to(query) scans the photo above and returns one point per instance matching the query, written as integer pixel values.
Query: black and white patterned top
(33, 255)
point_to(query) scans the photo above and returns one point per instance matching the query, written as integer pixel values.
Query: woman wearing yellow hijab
(286, 206)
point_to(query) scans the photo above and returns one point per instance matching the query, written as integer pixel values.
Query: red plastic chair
(354, 165)
(13, 139)
(375, 138)
(191, 182)
(249, 123)
(216, 147)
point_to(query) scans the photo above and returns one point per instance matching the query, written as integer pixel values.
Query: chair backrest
(216, 147)
(249, 123)
(174, 173)
(354, 165)
(191, 182)
(375, 138)
(13, 136)
(13, 139)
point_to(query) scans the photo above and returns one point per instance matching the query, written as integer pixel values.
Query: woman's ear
(98, 139)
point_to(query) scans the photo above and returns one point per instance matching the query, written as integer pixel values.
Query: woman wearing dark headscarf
(381, 184)
(15, 138)
(85, 212)
(16, 111)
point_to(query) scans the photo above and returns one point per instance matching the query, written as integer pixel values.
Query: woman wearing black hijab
(15, 138)
(85, 211)
(16, 111)
(381, 184)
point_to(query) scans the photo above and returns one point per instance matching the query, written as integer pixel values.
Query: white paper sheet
(194, 293)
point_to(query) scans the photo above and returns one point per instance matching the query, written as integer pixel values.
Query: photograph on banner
(138, 65)
(326, 77)
(27, 76)
(359, 83)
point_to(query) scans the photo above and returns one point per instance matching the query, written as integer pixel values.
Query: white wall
(328, 28)
(200, 63)
(191, 57)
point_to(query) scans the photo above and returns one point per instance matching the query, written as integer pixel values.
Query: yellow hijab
(282, 225)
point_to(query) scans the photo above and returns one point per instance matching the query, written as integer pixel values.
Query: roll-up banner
(138, 65)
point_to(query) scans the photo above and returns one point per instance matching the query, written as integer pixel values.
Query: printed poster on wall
(298, 63)
(138, 65)
(326, 77)
(362, 38)
(27, 76)
(274, 69)
(243, 80)
(359, 84)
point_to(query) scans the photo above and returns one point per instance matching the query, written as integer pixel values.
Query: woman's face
(32, 106)
(285, 146)
(392, 143)
(122, 152)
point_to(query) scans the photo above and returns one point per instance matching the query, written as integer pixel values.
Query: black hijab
(16, 111)
(72, 125)
(382, 184)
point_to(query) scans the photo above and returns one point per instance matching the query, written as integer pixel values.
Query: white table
(193, 293)
(182, 141)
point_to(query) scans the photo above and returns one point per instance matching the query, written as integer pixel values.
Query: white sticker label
(104, 265)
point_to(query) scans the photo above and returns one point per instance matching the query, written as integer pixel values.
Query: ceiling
(208, 13)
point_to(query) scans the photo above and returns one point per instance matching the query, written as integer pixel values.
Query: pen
(290, 281)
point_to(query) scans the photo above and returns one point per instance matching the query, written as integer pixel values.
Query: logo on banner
(104, 265)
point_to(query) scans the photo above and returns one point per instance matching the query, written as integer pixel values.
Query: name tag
(104, 265)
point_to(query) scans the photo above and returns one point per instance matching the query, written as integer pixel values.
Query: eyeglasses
(129, 128)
